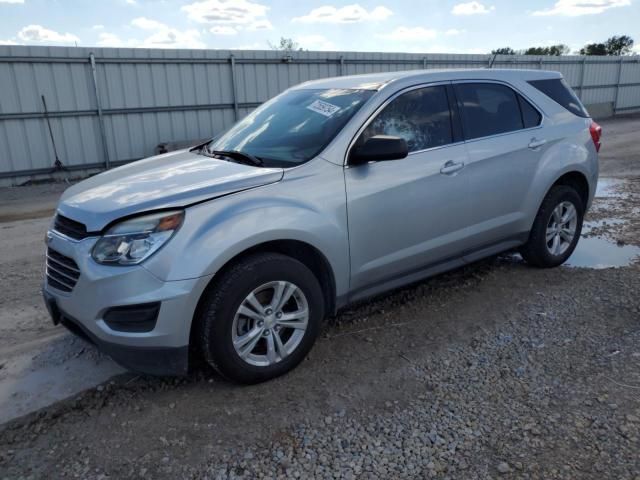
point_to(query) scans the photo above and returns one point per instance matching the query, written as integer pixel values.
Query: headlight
(132, 241)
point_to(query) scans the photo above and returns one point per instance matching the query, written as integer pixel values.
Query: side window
(421, 117)
(488, 109)
(530, 116)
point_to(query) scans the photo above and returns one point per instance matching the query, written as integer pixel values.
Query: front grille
(62, 271)
(70, 228)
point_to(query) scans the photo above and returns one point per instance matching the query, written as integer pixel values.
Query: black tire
(535, 251)
(214, 319)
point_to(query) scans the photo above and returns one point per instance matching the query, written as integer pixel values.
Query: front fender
(215, 232)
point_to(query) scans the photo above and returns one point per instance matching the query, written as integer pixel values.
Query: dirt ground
(496, 369)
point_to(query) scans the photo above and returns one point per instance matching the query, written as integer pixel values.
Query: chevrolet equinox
(335, 190)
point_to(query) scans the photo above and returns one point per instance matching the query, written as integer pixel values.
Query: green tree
(285, 45)
(619, 45)
(594, 49)
(616, 45)
(557, 50)
(554, 50)
(503, 51)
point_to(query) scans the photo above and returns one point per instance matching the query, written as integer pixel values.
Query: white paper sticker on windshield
(323, 108)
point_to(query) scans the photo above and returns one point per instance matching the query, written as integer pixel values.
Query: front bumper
(148, 360)
(162, 350)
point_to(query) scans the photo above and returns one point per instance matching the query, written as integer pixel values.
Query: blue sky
(428, 26)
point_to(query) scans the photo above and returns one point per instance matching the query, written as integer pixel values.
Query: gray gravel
(543, 385)
(547, 397)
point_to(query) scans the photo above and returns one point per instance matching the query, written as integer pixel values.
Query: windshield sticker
(323, 108)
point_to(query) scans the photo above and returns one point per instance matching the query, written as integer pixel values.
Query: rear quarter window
(530, 116)
(558, 90)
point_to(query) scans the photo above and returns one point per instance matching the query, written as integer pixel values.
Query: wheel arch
(300, 250)
(578, 181)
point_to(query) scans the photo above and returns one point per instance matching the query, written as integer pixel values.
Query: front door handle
(451, 167)
(536, 143)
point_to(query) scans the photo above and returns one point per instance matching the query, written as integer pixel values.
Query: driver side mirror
(379, 148)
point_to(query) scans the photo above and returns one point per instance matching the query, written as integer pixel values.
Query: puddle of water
(608, 187)
(588, 227)
(595, 252)
(598, 253)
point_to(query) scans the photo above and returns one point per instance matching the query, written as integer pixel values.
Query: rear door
(505, 143)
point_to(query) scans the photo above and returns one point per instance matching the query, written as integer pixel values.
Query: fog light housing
(133, 318)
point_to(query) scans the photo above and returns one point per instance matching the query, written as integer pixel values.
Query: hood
(175, 179)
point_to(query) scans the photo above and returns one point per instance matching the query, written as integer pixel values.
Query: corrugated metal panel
(151, 96)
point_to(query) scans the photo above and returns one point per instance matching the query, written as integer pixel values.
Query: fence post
(584, 66)
(341, 65)
(234, 87)
(615, 102)
(424, 63)
(103, 136)
(540, 63)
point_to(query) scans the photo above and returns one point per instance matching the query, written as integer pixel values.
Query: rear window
(558, 90)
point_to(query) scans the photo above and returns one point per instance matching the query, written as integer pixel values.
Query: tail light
(596, 132)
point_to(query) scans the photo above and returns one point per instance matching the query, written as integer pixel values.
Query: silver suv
(334, 191)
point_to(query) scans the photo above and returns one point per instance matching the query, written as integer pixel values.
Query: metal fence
(107, 106)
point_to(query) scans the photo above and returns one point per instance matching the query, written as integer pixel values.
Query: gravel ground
(496, 370)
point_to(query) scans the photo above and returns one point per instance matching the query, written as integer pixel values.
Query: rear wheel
(556, 228)
(261, 318)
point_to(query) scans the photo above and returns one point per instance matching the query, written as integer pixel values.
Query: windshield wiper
(240, 157)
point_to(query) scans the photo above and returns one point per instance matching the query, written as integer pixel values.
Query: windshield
(294, 127)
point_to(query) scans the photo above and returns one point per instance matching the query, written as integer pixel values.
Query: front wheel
(556, 228)
(261, 318)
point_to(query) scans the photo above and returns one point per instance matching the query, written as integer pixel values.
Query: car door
(406, 215)
(504, 145)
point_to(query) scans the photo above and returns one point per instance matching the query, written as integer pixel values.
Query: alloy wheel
(270, 323)
(561, 228)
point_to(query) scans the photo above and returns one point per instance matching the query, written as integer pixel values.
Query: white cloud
(235, 12)
(159, 35)
(250, 46)
(131, 2)
(172, 38)
(98, 27)
(163, 36)
(347, 14)
(223, 30)
(11, 1)
(37, 33)
(106, 39)
(453, 31)
(574, 8)
(471, 8)
(315, 42)
(8, 42)
(147, 24)
(263, 24)
(407, 34)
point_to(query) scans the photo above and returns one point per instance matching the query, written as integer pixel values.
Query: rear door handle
(535, 143)
(451, 167)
